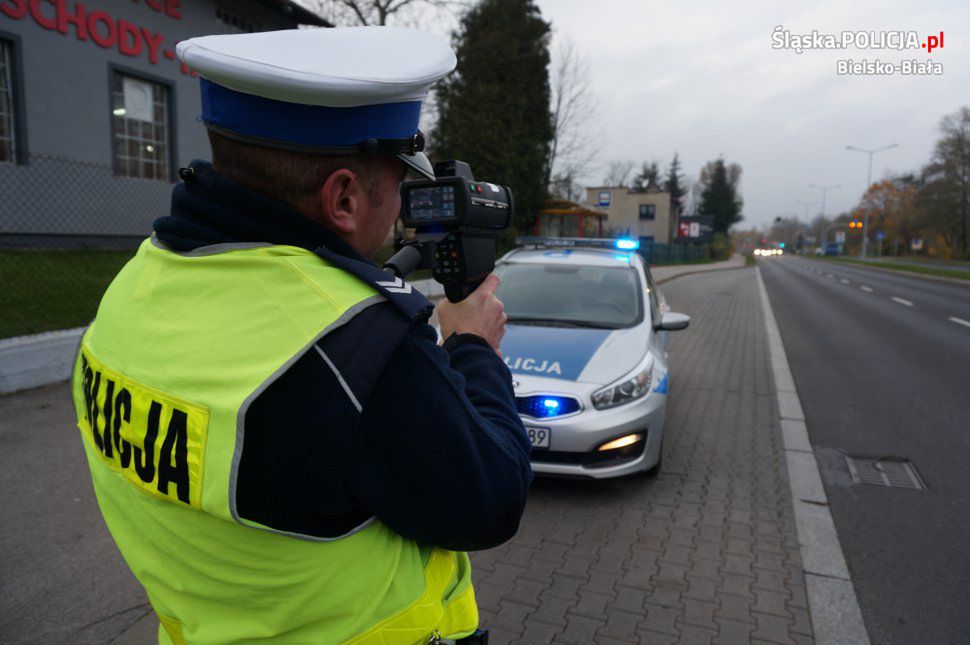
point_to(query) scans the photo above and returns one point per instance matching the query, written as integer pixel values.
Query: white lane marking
(832, 602)
(866, 289)
(829, 275)
(959, 321)
(903, 301)
(843, 281)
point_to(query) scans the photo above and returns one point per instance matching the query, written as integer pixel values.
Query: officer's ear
(343, 201)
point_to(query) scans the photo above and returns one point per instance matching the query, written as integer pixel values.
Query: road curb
(681, 275)
(40, 359)
(833, 605)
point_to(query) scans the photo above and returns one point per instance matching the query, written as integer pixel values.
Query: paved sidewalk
(668, 272)
(708, 550)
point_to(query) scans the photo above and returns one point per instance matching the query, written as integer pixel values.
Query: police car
(586, 341)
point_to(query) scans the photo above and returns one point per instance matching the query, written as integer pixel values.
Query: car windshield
(582, 296)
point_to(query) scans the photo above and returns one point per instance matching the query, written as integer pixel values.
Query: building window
(140, 110)
(8, 124)
(232, 23)
(648, 211)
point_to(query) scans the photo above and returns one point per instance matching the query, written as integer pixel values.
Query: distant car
(586, 341)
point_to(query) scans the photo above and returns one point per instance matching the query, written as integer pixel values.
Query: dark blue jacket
(425, 438)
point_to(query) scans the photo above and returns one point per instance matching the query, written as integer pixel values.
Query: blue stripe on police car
(553, 352)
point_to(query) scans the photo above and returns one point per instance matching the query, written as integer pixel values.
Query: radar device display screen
(432, 204)
(456, 221)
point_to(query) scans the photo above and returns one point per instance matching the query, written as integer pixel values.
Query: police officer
(279, 447)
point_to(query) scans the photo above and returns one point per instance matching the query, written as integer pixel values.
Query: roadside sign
(917, 244)
(605, 197)
(840, 237)
(696, 229)
(880, 235)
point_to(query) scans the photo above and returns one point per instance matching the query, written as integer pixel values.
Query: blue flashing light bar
(623, 243)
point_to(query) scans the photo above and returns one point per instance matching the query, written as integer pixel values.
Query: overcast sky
(702, 79)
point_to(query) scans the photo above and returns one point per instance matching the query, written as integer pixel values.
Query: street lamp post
(806, 205)
(824, 190)
(865, 225)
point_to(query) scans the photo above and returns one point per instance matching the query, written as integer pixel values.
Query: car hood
(595, 356)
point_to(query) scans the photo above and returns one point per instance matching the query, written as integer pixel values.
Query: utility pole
(824, 190)
(865, 225)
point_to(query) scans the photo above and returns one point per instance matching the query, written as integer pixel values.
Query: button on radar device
(456, 221)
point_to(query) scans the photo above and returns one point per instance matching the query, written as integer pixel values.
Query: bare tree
(566, 186)
(945, 196)
(572, 152)
(618, 173)
(379, 12)
(694, 190)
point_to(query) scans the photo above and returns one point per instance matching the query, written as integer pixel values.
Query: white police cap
(331, 91)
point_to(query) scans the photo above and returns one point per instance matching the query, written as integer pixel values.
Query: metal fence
(657, 254)
(66, 228)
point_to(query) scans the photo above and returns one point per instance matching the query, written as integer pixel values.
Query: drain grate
(885, 472)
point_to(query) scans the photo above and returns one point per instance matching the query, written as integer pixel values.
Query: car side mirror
(673, 321)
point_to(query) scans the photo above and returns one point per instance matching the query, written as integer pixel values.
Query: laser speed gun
(456, 220)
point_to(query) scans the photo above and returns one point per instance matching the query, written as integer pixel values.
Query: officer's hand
(481, 314)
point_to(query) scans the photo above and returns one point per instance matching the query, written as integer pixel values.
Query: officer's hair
(293, 178)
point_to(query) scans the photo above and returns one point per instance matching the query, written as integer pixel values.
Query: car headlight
(630, 389)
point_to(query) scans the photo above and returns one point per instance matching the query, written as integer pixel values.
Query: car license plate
(538, 436)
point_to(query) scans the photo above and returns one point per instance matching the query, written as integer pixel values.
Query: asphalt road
(882, 365)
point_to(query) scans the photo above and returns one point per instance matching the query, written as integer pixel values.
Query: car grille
(540, 406)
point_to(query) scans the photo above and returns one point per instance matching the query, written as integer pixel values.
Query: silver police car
(586, 341)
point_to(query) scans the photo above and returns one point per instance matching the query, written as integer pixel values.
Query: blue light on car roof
(550, 403)
(627, 245)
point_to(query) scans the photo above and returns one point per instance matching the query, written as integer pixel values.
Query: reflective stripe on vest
(181, 345)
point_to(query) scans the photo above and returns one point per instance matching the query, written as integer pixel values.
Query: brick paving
(706, 552)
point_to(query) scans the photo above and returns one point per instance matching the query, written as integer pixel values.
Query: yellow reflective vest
(181, 345)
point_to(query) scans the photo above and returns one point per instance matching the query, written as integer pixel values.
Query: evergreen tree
(719, 196)
(494, 109)
(675, 185)
(648, 178)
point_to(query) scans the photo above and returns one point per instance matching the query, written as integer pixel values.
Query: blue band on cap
(306, 125)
